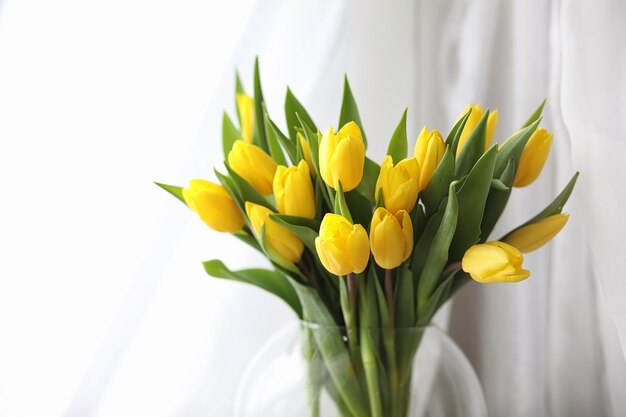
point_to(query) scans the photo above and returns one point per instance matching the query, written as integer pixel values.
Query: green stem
(390, 346)
(348, 306)
(371, 372)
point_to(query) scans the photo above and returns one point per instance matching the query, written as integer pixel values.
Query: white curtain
(552, 346)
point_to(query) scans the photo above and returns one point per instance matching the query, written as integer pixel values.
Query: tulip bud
(472, 121)
(293, 191)
(528, 238)
(494, 262)
(399, 184)
(533, 158)
(391, 237)
(214, 205)
(253, 165)
(307, 153)
(245, 105)
(429, 150)
(278, 237)
(342, 157)
(343, 247)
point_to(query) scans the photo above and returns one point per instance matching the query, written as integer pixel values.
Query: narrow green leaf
(341, 207)
(367, 186)
(418, 218)
(270, 281)
(305, 229)
(536, 115)
(276, 152)
(288, 145)
(232, 189)
(437, 187)
(230, 134)
(513, 148)
(555, 207)
(438, 252)
(248, 239)
(398, 145)
(173, 190)
(472, 197)
(369, 310)
(473, 149)
(455, 134)
(238, 90)
(259, 121)
(349, 110)
(293, 108)
(439, 296)
(423, 245)
(496, 201)
(333, 350)
(497, 184)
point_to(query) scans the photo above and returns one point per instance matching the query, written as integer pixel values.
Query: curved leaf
(437, 187)
(293, 109)
(174, 190)
(229, 134)
(473, 149)
(349, 110)
(398, 145)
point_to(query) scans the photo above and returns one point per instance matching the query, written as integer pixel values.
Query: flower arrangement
(357, 245)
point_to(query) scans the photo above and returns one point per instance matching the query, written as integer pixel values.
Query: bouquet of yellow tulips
(353, 244)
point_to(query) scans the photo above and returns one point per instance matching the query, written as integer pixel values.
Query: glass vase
(416, 372)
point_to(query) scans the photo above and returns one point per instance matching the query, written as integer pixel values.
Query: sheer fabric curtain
(552, 346)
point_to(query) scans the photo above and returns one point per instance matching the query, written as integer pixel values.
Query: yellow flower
(429, 149)
(391, 237)
(253, 165)
(342, 157)
(342, 247)
(535, 235)
(399, 183)
(278, 238)
(472, 121)
(245, 105)
(307, 153)
(494, 262)
(533, 158)
(294, 191)
(214, 205)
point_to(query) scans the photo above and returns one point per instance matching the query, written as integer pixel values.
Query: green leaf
(536, 115)
(472, 197)
(245, 191)
(497, 184)
(232, 189)
(270, 281)
(418, 218)
(423, 245)
(438, 253)
(229, 134)
(248, 239)
(349, 110)
(259, 121)
(428, 309)
(473, 149)
(556, 207)
(305, 229)
(238, 90)
(360, 208)
(293, 109)
(513, 148)
(369, 310)
(288, 145)
(313, 140)
(173, 190)
(405, 298)
(333, 350)
(496, 201)
(437, 187)
(455, 134)
(367, 186)
(398, 145)
(276, 152)
(340, 203)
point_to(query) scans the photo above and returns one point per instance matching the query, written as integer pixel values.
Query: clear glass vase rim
(422, 327)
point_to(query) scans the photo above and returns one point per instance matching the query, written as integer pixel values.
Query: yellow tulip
(534, 236)
(391, 237)
(307, 153)
(253, 165)
(342, 157)
(399, 183)
(343, 247)
(473, 119)
(429, 149)
(494, 262)
(293, 191)
(214, 205)
(533, 158)
(245, 105)
(277, 237)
